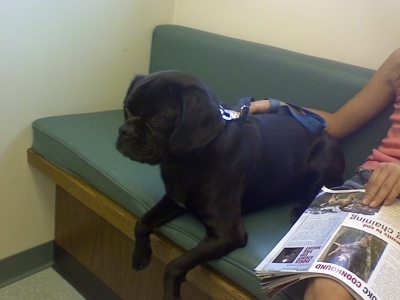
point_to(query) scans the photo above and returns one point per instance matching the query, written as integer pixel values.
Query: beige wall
(60, 57)
(66, 56)
(360, 32)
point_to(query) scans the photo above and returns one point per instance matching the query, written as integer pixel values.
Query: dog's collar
(231, 115)
(241, 110)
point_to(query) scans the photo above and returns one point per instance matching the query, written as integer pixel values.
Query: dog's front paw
(141, 258)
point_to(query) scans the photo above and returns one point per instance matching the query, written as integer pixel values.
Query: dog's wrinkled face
(167, 113)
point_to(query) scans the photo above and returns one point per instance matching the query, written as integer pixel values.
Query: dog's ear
(200, 121)
(134, 82)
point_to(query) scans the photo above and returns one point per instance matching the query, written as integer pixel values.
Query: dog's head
(167, 113)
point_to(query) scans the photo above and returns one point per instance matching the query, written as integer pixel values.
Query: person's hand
(259, 107)
(384, 185)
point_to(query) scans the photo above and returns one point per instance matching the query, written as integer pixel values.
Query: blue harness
(310, 120)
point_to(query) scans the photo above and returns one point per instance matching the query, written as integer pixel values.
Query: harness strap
(310, 120)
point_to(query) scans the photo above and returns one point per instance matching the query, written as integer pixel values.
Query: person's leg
(326, 289)
(322, 288)
(358, 181)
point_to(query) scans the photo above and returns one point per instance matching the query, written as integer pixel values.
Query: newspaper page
(339, 237)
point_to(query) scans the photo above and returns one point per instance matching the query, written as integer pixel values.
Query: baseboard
(88, 285)
(26, 263)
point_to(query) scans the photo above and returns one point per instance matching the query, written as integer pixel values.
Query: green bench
(100, 193)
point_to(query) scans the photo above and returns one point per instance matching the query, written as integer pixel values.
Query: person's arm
(363, 106)
(384, 183)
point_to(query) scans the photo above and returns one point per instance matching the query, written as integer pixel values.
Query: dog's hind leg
(164, 211)
(325, 166)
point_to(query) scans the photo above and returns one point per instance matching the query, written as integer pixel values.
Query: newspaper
(339, 238)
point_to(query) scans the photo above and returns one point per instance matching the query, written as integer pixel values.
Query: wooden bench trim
(203, 277)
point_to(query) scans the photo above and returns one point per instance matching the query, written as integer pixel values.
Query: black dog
(216, 169)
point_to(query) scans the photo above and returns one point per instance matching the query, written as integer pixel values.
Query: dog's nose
(127, 131)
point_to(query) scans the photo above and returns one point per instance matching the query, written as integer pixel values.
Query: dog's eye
(158, 119)
(127, 114)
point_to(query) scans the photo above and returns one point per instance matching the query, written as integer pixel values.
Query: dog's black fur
(216, 169)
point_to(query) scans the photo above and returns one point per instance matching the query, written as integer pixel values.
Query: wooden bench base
(99, 234)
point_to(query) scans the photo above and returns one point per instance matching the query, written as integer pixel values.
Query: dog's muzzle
(132, 146)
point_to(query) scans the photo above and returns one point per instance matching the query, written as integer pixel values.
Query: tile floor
(45, 285)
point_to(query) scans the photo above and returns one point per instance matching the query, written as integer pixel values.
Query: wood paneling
(99, 234)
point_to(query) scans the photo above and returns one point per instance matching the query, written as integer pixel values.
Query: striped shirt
(389, 150)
